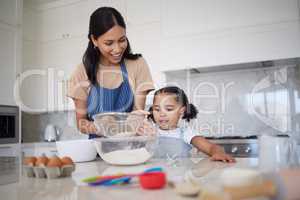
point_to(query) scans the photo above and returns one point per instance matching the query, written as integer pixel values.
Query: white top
(73, 187)
(188, 134)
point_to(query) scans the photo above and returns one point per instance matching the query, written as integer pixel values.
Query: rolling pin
(264, 189)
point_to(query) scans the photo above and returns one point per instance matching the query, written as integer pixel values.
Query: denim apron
(172, 147)
(102, 99)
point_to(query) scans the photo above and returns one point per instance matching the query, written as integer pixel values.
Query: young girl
(170, 104)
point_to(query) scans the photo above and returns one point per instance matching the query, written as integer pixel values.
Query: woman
(110, 78)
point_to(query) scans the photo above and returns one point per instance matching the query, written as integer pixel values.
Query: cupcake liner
(67, 170)
(28, 171)
(39, 172)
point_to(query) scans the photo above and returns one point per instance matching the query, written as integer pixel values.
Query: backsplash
(239, 102)
(33, 125)
(243, 102)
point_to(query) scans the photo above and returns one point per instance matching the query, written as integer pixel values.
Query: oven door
(10, 163)
(9, 124)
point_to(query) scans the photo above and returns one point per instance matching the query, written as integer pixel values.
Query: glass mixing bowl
(115, 124)
(126, 150)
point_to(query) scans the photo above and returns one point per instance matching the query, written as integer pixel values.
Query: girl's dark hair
(190, 111)
(101, 21)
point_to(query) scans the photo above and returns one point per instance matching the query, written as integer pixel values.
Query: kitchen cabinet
(7, 64)
(120, 5)
(145, 39)
(9, 12)
(142, 12)
(30, 30)
(10, 40)
(63, 22)
(55, 49)
(213, 33)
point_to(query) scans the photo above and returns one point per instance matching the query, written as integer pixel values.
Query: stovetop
(232, 137)
(238, 146)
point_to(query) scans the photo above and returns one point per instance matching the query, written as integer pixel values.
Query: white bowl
(78, 150)
(126, 150)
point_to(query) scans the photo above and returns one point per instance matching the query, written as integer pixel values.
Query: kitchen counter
(72, 188)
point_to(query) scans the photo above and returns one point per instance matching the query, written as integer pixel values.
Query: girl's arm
(215, 151)
(83, 124)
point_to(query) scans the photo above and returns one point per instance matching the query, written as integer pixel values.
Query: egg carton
(48, 172)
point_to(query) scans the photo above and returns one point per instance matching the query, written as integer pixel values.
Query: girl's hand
(222, 156)
(147, 128)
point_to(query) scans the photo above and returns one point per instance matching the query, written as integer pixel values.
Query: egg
(67, 161)
(41, 161)
(30, 160)
(54, 162)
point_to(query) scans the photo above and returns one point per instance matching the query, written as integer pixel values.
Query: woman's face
(167, 111)
(112, 45)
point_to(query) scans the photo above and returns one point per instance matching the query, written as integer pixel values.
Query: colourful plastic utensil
(153, 180)
(117, 179)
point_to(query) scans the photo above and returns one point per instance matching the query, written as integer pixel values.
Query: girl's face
(167, 111)
(112, 45)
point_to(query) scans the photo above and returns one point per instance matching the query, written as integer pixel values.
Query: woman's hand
(141, 112)
(222, 156)
(87, 127)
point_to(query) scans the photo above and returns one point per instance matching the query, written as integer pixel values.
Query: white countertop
(72, 188)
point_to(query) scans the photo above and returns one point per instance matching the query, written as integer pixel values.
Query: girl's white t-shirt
(188, 134)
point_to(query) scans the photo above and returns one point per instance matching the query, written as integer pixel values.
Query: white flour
(124, 134)
(127, 157)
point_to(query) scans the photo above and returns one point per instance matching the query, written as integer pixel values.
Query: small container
(153, 180)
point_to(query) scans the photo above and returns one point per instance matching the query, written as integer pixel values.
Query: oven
(10, 152)
(238, 146)
(9, 124)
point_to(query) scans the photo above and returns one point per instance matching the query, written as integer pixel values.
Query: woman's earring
(95, 47)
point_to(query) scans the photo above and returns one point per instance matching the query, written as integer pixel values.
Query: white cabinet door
(30, 26)
(8, 11)
(207, 16)
(120, 5)
(64, 22)
(141, 12)
(47, 90)
(8, 63)
(204, 33)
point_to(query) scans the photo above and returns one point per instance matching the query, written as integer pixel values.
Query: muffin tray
(48, 172)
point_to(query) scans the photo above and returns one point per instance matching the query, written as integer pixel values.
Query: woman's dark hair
(102, 20)
(190, 111)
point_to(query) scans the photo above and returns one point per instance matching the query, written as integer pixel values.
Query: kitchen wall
(33, 125)
(252, 99)
(171, 35)
(244, 102)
